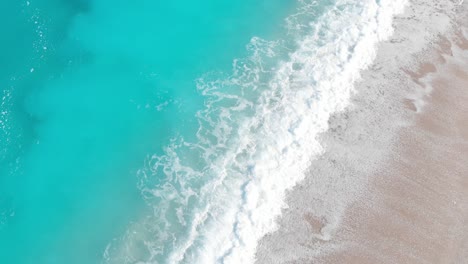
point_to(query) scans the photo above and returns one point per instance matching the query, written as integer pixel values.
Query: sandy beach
(234, 132)
(393, 184)
(419, 213)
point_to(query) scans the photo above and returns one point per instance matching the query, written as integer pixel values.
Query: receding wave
(215, 197)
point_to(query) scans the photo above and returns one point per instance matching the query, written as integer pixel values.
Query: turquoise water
(89, 89)
(153, 131)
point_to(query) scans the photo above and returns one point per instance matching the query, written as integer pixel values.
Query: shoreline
(420, 211)
(342, 205)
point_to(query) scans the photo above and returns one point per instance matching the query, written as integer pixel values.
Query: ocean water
(166, 131)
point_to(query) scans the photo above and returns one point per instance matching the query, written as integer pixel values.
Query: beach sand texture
(393, 184)
(419, 213)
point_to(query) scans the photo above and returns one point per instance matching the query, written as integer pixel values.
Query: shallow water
(89, 89)
(165, 132)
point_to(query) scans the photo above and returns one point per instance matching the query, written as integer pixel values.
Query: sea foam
(213, 199)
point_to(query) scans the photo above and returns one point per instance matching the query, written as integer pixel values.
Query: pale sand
(420, 211)
(392, 186)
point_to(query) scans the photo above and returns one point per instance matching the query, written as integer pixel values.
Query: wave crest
(213, 199)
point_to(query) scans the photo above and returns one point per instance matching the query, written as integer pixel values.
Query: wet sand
(419, 213)
(392, 186)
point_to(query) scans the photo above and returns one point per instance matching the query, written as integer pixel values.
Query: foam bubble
(257, 136)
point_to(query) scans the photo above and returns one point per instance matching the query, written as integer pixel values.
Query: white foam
(258, 135)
